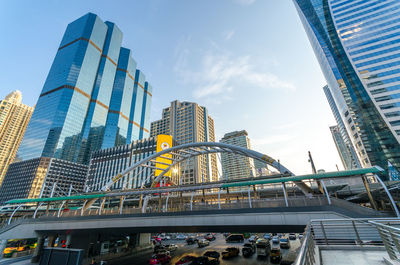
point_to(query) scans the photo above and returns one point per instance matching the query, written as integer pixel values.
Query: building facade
(87, 103)
(14, 118)
(343, 143)
(236, 166)
(187, 122)
(42, 177)
(89, 97)
(357, 46)
(108, 163)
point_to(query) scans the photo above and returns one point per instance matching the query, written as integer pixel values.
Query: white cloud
(245, 2)
(229, 34)
(221, 73)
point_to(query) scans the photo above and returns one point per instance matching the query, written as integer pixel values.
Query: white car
(181, 237)
(171, 247)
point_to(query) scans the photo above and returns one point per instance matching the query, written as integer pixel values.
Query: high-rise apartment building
(188, 122)
(14, 117)
(90, 96)
(91, 99)
(357, 44)
(236, 166)
(343, 143)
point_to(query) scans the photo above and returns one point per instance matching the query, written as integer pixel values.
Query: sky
(248, 61)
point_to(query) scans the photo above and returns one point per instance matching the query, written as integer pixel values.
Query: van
(239, 238)
(263, 247)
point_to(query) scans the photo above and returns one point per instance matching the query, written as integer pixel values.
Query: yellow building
(14, 118)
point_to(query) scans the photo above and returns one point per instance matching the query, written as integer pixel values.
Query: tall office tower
(188, 122)
(341, 147)
(349, 156)
(236, 166)
(86, 101)
(14, 117)
(357, 44)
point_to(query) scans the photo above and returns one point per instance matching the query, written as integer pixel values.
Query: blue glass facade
(327, 23)
(85, 103)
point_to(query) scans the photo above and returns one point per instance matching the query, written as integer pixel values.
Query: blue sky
(248, 61)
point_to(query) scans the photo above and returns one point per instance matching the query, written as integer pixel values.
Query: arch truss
(179, 154)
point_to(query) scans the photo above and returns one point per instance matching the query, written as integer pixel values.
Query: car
(284, 242)
(300, 236)
(280, 235)
(230, 253)
(226, 234)
(253, 238)
(209, 237)
(203, 260)
(186, 260)
(248, 250)
(160, 259)
(203, 242)
(292, 236)
(181, 237)
(212, 254)
(191, 240)
(162, 251)
(276, 255)
(171, 247)
(267, 236)
(275, 240)
(158, 248)
(263, 247)
(235, 238)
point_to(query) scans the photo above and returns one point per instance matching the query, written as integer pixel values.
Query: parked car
(300, 236)
(284, 242)
(235, 238)
(263, 247)
(203, 260)
(186, 260)
(171, 247)
(248, 250)
(191, 240)
(275, 239)
(158, 248)
(160, 259)
(209, 237)
(181, 237)
(253, 238)
(292, 236)
(212, 254)
(230, 253)
(276, 255)
(267, 236)
(203, 242)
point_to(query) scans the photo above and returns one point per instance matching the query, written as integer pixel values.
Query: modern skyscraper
(86, 101)
(343, 143)
(341, 147)
(357, 44)
(14, 117)
(85, 105)
(236, 166)
(188, 122)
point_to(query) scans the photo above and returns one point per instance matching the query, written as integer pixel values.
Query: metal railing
(356, 232)
(390, 236)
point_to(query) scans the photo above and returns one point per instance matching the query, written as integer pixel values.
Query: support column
(50, 242)
(367, 188)
(285, 194)
(38, 250)
(3, 245)
(68, 240)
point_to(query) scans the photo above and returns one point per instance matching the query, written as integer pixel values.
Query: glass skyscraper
(93, 96)
(357, 44)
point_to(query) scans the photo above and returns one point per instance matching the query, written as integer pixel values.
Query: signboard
(163, 142)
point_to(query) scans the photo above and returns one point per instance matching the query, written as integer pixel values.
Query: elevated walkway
(261, 216)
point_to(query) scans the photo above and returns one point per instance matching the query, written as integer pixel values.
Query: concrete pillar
(38, 250)
(68, 240)
(3, 244)
(144, 239)
(50, 241)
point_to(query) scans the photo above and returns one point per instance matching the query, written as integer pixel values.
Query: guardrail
(390, 236)
(356, 232)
